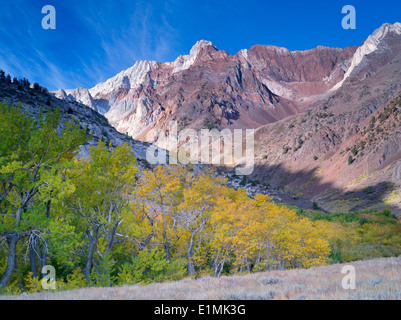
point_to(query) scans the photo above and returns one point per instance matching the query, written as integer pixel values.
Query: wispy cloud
(93, 41)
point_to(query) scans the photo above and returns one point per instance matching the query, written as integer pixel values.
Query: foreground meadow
(378, 279)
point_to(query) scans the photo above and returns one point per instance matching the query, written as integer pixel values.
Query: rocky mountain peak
(126, 79)
(387, 29)
(376, 42)
(199, 45)
(184, 62)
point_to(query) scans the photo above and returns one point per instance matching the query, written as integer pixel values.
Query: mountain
(327, 119)
(210, 87)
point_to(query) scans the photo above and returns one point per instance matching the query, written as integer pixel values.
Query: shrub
(76, 280)
(151, 266)
(33, 284)
(354, 150)
(350, 160)
(102, 275)
(369, 251)
(269, 280)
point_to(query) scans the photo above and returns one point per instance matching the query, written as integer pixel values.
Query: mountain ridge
(132, 97)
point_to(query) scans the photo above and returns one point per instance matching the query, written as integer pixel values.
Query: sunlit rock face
(211, 88)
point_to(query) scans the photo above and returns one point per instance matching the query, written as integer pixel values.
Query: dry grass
(375, 279)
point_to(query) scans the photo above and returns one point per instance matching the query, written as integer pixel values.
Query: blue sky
(94, 40)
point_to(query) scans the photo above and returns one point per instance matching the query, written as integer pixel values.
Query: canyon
(315, 113)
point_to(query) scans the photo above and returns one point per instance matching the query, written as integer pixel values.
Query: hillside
(32, 100)
(344, 151)
(378, 279)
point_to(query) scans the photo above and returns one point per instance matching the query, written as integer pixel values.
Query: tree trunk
(32, 260)
(12, 247)
(48, 205)
(218, 266)
(166, 242)
(92, 243)
(18, 216)
(144, 243)
(43, 258)
(110, 238)
(191, 268)
(43, 254)
(16, 268)
(221, 268)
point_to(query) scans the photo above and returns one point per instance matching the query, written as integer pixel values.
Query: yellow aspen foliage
(338, 234)
(380, 235)
(32, 284)
(262, 235)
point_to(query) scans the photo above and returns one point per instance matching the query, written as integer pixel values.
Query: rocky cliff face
(209, 87)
